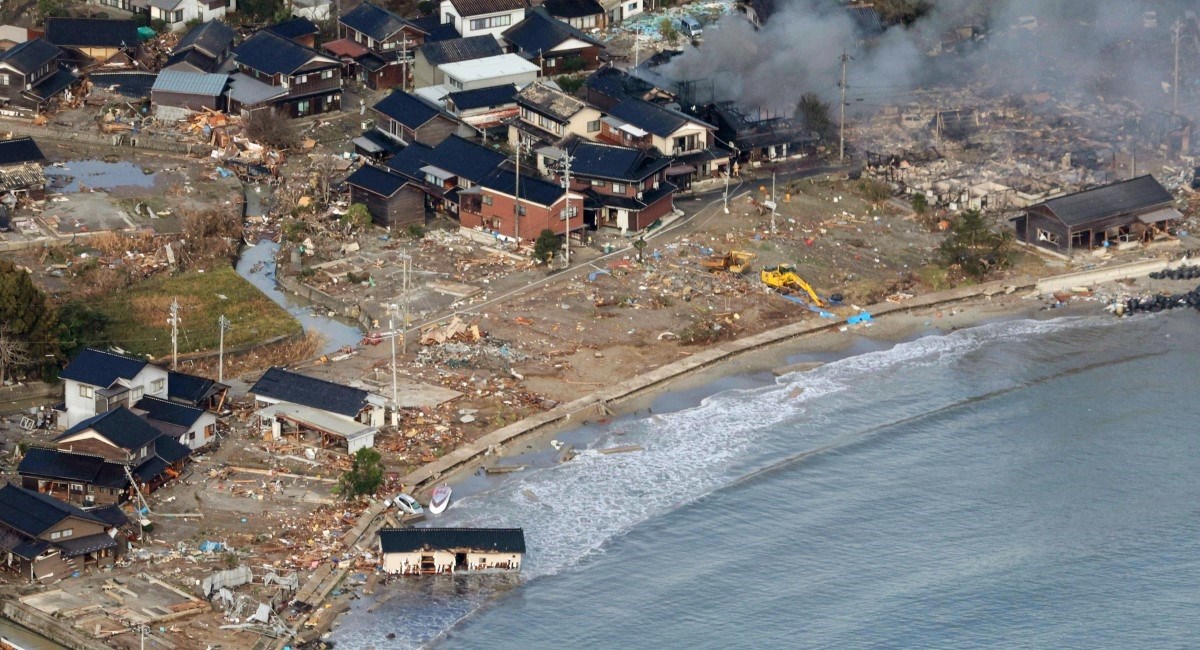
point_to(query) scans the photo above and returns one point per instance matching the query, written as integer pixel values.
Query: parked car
(407, 504)
(689, 27)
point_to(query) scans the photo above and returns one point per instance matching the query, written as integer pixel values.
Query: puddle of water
(336, 332)
(97, 174)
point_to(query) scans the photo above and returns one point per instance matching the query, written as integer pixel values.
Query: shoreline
(761, 352)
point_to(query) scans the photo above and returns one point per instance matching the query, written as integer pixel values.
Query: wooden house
(274, 72)
(431, 56)
(92, 41)
(21, 175)
(520, 208)
(206, 48)
(177, 94)
(482, 17)
(555, 46)
(417, 551)
(30, 77)
(626, 188)
(292, 403)
(1131, 210)
(408, 118)
(643, 125)
(98, 381)
(43, 539)
(584, 15)
(385, 44)
(392, 200)
(548, 116)
(297, 29)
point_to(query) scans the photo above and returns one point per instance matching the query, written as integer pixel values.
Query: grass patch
(138, 316)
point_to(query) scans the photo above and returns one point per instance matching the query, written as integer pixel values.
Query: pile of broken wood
(455, 330)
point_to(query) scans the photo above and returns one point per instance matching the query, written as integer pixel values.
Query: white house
(177, 12)
(479, 17)
(416, 551)
(314, 10)
(98, 381)
(490, 71)
(293, 404)
(193, 427)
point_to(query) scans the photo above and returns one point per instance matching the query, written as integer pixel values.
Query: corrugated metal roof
(190, 83)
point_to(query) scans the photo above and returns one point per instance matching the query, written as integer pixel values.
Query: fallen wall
(46, 626)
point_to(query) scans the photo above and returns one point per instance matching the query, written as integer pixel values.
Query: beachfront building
(1135, 210)
(416, 551)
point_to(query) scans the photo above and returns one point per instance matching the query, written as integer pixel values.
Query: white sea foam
(572, 510)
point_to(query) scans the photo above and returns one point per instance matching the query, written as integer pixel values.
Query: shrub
(545, 246)
(974, 248)
(365, 475)
(271, 128)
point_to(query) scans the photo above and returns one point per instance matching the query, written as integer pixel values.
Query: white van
(689, 27)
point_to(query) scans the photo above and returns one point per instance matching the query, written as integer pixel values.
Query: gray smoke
(1098, 47)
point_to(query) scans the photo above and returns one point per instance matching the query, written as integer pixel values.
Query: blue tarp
(861, 317)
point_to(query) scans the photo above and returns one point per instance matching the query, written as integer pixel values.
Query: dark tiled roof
(286, 386)
(111, 515)
(484, 97)
(617, 83)
(534, 190)
(75, 546)
(407, 109)
(435, 29)
(606, 161)
(30, 55)
(100, 368)
(410, 160)
(129, 84)
(464, 158)
(498, 540)
(32, 514)
(461, 49)
(376, 22)
(161, 410)
(763, 9)
(271, 54)
(376, 180)
(656, 119)
(213, 38)
(1134, 195)
(388, 146)
(52, 463)
(120, 426)
(151, 469)
(193, 58)
(192, 389)
(294, 28)
(480, 7)
(540, 32)
(595, 198)
(20, 150)
(30, 549)
(52, 85)
(92, 32)
(572, 8)
(171, 450)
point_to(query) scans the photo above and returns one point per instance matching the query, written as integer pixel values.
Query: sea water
(1018, 484)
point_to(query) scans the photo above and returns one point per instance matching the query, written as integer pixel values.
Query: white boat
(440, 499)
(407, 504)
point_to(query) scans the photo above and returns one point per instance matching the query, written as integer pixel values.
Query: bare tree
(13, 353)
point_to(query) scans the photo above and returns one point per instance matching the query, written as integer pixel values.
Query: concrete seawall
(48, 627)
(597, 404)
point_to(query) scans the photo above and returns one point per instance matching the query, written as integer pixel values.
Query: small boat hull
(440, 499)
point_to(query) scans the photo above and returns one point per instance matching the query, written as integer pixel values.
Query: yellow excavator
(785, 280)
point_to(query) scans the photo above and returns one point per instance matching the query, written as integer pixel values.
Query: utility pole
(522, 147)
(223, 325)
(1175, 29)
(173, 321)
(842, 109)
(637, 46)
(392, 327)
(566, 184)
(727, 173)
(774, 202)
(407, 284)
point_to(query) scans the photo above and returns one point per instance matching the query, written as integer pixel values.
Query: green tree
(52, 8)
(545, 246)
(814, 115)
(570, 83)
(919, 203)
(426, 7)
(26, 314)
(974, 248)
(81, 326)
(902, 12)
(357, 216)
(670, 34)
(365, 475)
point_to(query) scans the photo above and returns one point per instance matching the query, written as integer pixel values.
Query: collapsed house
(30, 78)
(21, 177)
(1135, 210)
(292, 404)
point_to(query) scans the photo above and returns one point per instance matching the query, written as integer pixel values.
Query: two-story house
(641, 124)
(431, 56)
(516, 208)
(176, 14)
(488, 110)
(501, 70)
(274, 72)
(626, 188)
(192, 426)
(289, 403)
(385, 45)
(298, 29)
(206, 48)
(392, 200)
(555, 46)
(197, 391)
(548, 115)
(30, 77)
(479, 17)
(98, 381)
(48, 540)
(619, 10)
(444, 171)
(92, 41)
(586, 15)
(408, 118)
